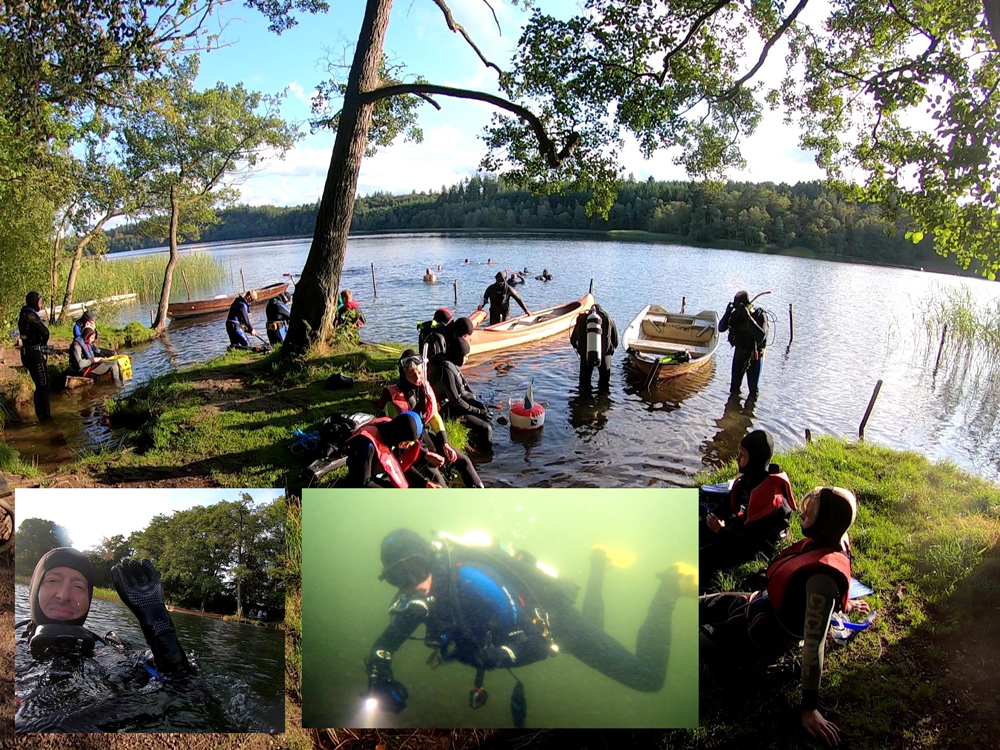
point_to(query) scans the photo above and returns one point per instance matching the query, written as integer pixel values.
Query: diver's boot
(680, 579)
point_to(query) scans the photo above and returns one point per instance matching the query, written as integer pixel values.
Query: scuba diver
(595, 338)
(62, 587)
(382, 451)
(492, 607)
(82, 321)
(34, 350)
(747, 328)
(460, 328)
(544, 276)
(805, 584)
(754, 517)
(278, 315)
(498, 296)
(87, 360)
(238, 320)
(455, 399)
(434, 332)
(348, 311)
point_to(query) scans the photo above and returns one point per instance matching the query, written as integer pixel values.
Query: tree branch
(767, 47)
(691, 32)
(545, 144)
(456, 27)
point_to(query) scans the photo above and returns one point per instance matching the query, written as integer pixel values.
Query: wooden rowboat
(220, 302)
(172, 608)
(539, 325)
(663, 345)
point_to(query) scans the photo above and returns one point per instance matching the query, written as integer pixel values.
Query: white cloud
(296, 90)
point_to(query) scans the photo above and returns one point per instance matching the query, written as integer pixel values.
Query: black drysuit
(34, 342)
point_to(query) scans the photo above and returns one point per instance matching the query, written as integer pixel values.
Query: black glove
(391, 694)
(140, 589)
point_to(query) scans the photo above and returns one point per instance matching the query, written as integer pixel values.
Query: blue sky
(92, 514)
(419, 37)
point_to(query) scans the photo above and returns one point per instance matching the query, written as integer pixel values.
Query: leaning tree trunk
(74, 268)
(316, 291)
(168, 275)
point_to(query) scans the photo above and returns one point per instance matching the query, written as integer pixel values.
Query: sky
(452, 148)
(93, 514)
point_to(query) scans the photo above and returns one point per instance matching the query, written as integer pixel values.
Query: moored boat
(662, 344)
(525, 328)
(172, 608)
(220, 302)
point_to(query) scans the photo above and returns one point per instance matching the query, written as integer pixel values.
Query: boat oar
(652, 375)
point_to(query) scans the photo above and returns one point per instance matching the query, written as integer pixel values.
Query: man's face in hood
(64, 594)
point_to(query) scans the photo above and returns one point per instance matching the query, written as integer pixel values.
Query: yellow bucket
(124, 364)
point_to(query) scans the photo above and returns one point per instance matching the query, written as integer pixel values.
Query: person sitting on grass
(806, 583)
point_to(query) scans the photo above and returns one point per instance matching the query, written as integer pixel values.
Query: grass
(101, 277)
(108, 595)
(924, 533)
(971, 326)
(110, 337)
(12, 463)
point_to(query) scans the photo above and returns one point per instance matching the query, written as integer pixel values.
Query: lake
(854, 324)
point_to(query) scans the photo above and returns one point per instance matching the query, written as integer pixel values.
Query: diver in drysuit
(595, 338)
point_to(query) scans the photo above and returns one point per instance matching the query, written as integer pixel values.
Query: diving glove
(391, 695)
(140, 588)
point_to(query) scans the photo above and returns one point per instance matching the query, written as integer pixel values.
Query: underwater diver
(238, 321)
(87, 360)
(34, 350)
(753, 518)
(62, 587)
(747, 328)
(278, 314)
(455, 399)
(498, 295)
(805, 584)
(595, 338)
(381, 452)
(493, 607)
(433, 333)
(412, 392)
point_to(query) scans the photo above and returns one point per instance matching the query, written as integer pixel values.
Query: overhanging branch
(767, 47)
(458, 28)
(545, 144)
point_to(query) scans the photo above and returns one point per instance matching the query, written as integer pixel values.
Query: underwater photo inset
(149, 610)
(500, 608)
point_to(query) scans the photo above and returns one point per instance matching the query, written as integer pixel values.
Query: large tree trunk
(992, 10)
(316, 291)
(168, 275)
(75, 267)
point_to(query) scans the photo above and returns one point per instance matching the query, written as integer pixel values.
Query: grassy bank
(926, 540)
(111, 337)
(12, 463)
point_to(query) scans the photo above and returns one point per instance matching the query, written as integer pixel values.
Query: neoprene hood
(400, 544)
(60, 557)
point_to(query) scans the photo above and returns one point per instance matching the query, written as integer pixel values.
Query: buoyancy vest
(395, 468)
(801, 560)
(395, 394)
(765, 498)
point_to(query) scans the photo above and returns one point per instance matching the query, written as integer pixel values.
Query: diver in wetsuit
(82, 321)
(379, 453)
(238, 320)
(492, 608)
(433, 333)
(753, 518)
(34, 346)
(454, 396)
(805, 584)
(498, 296)
(747, 328)
(278, 314)
(87, 360)
(595, 338)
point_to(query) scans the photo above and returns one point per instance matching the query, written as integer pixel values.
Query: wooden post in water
(868, 411)
(374, 288)
(243, 279)
(456, 291)
(809, 435)
(591, 290)
(184, 277)
(791, 325)
(684, 302)
(944, 332)
(150, 318)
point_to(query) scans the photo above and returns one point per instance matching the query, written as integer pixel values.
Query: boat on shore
(171, 608)
(663, 345)
(526, 328)
(220, 302)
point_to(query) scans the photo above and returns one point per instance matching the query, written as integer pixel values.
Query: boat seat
(667, 347)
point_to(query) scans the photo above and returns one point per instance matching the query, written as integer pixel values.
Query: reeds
(102, 277)
(972, 326)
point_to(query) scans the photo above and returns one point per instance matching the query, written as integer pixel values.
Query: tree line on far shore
(752, 215)
(227, 557)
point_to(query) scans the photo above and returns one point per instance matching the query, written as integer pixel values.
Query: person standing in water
(498, 296)
(34, 347)
(747, 329)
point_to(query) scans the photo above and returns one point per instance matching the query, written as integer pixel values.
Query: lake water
(854, 324)
(239, 688)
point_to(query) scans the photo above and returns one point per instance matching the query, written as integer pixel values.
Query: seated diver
(382, 451)
(754, 518)
(434, 332)
(278, 314)
(88, 360)
(412, 392)
(454, 396)
(464, 595)
(805, 584)
(595, 338)
(238, 321)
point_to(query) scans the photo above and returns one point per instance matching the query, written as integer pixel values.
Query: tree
(194, 148)
(35, 537)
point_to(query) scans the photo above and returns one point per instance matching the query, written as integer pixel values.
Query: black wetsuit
(278, 314)
(34, 340)
(434, 335)
(237, 322)
(491, 626)
(609, 342)
(498, 295)
(747, 334)
(457, 401)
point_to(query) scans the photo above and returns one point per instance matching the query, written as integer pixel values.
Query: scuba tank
(594, 350)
